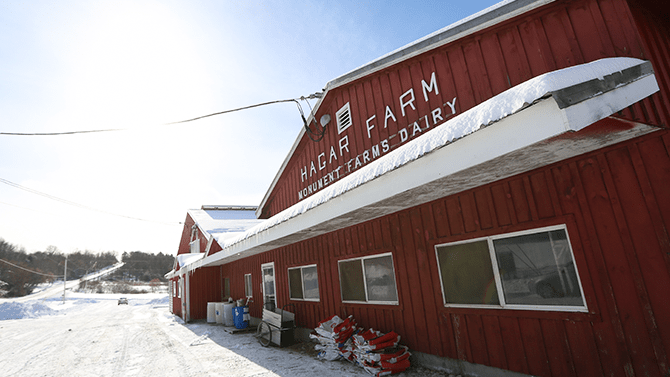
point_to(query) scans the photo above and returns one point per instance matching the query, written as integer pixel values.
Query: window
(247, 285)
(268, 287)
(194, 244)
(174, 289)
(303, 283)
(524, 270)
(226, 288)
(368, 279)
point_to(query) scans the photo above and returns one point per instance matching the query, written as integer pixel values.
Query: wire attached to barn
(319, 134)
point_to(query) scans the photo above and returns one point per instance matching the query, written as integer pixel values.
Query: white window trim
(251, 287)
(274, 281)
(365, 283)
(498, 280)
(302, 281)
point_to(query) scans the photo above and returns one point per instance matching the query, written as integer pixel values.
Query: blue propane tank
(241, 317)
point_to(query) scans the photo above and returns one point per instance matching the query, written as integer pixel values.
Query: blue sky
(84, 65)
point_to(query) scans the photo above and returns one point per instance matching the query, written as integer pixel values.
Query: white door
(268, 273)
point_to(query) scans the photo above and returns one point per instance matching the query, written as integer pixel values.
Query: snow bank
(160, 301)
(22, 310)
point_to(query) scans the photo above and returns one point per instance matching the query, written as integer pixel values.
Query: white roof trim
(459, 145)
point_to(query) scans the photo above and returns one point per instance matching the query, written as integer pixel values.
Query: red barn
(496, 193)
(204, 229)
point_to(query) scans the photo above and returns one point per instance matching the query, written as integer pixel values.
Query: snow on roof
(222, 223)
(504, 104)
(186, 259)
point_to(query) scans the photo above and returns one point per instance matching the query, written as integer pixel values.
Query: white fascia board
(596, 108)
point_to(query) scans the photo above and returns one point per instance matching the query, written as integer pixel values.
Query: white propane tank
(228, 314)
(211, 312)
(219, 312)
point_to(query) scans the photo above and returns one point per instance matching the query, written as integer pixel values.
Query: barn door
(268, 274)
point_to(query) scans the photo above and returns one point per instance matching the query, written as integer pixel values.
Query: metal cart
(277, 326)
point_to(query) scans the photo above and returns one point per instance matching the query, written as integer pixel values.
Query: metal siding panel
(405, 289)
(479, 77)
(515, 350)
(464, 91)
(520, 200)
(516, 60)
(455, 215)
(645, 256)
(477, 338)
(557, 348)
(585, 354)
(586, 31)
(622, 280)
(410, 265)
(427, 282)
(564, 45)
(536, 354)
(362, 110)
(484, 207)
(500, 203)
(495, 63)
(612, 338)
(462, 340)
(469, 212)
(541, 194)
(445, 78)
(539, 59)
(371, 109)
(495, 346)
(441, 219)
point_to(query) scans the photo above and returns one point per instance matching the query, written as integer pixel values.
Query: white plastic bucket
(211, 312)
(228, 314)
(219, 312)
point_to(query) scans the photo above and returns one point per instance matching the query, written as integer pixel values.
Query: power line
(25, 269)
(303, 98)
(68, 202)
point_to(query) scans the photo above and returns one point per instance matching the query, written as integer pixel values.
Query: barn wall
(205, 286)
(185, 239)
(473, 70)
(176, 301)
(617, 211)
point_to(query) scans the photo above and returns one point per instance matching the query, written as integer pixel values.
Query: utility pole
(64, 280)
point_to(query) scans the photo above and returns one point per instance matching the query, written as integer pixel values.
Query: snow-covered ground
(90, 335)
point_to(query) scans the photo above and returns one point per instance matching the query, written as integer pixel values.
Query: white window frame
(174, 288)
(302, 281)
(365, 283)
(250, 293)
(194, 244)
(265, 266)
(498, 279)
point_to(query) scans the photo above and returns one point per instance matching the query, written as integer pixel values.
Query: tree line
(21, 272)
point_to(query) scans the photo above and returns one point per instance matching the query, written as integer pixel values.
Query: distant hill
(20, 271)
(141, 266)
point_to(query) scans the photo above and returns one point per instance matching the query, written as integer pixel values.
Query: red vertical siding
(614, 204)
(477, 67)
(204, 287)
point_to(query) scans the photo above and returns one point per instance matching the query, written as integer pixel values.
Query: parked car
(123, 300)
